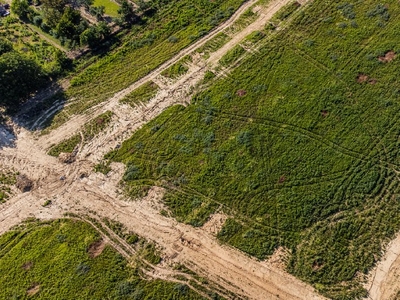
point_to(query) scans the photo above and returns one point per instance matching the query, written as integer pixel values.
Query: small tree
(97, 11)
(20, 8)
(127, 13)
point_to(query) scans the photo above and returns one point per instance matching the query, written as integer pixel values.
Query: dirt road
(384, 278)
(75, 188)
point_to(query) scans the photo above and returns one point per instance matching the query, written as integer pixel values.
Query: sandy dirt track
(384, 279)
(83, 191)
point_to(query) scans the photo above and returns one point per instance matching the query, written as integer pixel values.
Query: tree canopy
(19, 77)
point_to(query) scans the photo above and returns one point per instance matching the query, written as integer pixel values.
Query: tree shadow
(7, 136)
(38, 112)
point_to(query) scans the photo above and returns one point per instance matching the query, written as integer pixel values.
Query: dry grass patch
(96, 248)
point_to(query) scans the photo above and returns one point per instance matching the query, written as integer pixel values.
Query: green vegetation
(89, 131)
(178, 69)
(164, 29)
(102, 167)
(142, 94)
(6, 180)
(287, 10)
(26, 62)
(54, 261)
(232, 56)
(300, 145)
(111, 8)
(62, 20)
(66, 146)
(214, 44)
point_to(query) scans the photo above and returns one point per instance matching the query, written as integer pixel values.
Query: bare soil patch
(24, 184)
(96, 248)
(388, 57)
(361, 78)
(27, 266)
(279, 258)
(66, 158)
(33, 289)
(324, 113)
(215, 223)
(241, 93)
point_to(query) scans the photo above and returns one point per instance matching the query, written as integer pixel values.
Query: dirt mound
(362, 78)
(27, 266)
(388, 57)
(66, 158)
(96, 248)
(33, 289)
(24, 184)
(241, 93)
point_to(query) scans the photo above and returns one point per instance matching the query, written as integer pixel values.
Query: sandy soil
(384, 279)
(75, 188)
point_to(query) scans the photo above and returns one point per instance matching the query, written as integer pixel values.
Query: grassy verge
(178, 69)
(89, 131)
(142, 94)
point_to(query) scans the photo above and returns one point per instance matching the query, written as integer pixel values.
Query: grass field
(111, 7)
(61, 267)
(172, 27)
(300, 145)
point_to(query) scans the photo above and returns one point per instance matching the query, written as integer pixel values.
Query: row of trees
(62, 19)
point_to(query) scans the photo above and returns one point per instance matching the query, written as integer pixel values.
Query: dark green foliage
(5, 46)
(97, 11)
(20, 8)
(127, 13)
(19, 77)
(151, 254)
(302, 153)
(287, 10)
(66, 146)
(102, 167)
(143, 48)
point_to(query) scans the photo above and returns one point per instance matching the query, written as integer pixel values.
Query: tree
(92, 36)
(20, 8)
(53, 11)
(19, 77)
(5, 46)
(81, 3)
(127, 13)
(97, 11)
(71, 24)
